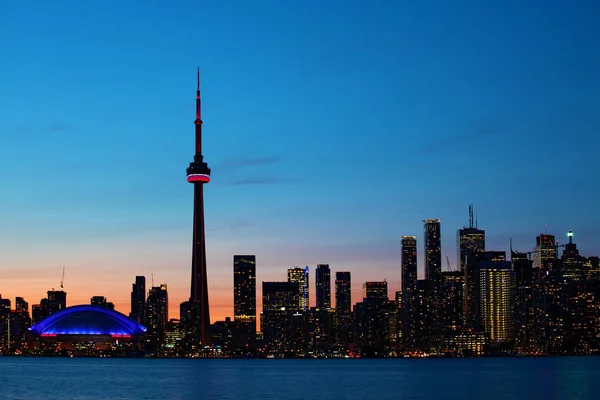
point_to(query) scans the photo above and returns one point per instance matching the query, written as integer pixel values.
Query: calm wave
(175, 379)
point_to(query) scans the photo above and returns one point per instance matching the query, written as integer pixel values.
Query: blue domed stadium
(88, 320)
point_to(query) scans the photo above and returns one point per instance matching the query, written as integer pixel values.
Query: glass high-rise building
(376, 290)
(433, 252)
(300, 276)
(409, 282)
(496, 300)
(323, 286)
(244, 290)
(470, 240)
(157, 315)
(544, 251)
(343, 303)
(138, 300)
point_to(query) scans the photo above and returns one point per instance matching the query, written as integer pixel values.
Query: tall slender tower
(198, 174)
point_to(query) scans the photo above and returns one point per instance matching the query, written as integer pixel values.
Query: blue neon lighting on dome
(87, 320)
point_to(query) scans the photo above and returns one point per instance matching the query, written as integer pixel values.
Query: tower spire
(198, 99)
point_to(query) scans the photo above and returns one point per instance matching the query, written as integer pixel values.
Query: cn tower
(198, 174)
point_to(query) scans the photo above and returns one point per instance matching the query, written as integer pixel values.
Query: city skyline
(294, 111)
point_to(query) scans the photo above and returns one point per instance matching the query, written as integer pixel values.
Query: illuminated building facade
(544, 251)
(451, 308)
(373, 333)
(464, 343)
(300, 276)
(157, 315)
(471, 288)
(469, 240)
(279, 318)
(496, 300)
(425, 312)
(323, 286)
(138, 300)
(244, 294)
(409, 291)
(376, 290)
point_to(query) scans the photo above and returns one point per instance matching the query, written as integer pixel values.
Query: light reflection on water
(170, 379)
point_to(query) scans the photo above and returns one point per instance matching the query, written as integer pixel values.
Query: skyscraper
(198, 174)
(343, 304)
(244, 291)
(138, 300)
(496, 300)
(376, 290)
(409, 282)
(433, 252)
(470, 240)
(545, 250)
(157, 315)
(300, 276)
(323, 286)
(280, 306)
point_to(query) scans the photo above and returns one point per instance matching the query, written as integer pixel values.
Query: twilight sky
(332, 129)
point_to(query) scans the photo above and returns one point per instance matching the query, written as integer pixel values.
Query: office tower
(157, 315)
(300, 276)
(343, 305)
(409, 282)
(544, 251)
(21, 304)
(39, 311)
(470, 240)
(496, 300)
(433, 252)
(57, 301)
(280, 308)
(594, 270)
(244, 294)
(471, 301)
(398, 300)
(573, 264)
(323, 286)
(451, 309)
(372, 329)
(425, 305)
(524, 306)
(198, 174)
(138, 300)
(376, 290)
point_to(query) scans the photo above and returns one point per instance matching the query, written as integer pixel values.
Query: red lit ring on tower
(198, 178)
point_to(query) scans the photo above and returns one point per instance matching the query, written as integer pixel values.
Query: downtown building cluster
(542, 302)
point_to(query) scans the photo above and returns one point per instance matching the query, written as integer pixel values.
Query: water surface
(175, 379)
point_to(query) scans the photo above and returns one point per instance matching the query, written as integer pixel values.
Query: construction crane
(448, 262)
(62, 280)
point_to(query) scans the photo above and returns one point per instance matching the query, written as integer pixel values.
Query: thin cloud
(465, 139)
(241, 224)
(260, 181)
(236, 164)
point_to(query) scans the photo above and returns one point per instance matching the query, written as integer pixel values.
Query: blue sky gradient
(332, 129)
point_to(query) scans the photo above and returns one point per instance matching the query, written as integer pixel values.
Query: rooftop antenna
(62, 280)
(470, 215)
(476, 223)
(152, 275)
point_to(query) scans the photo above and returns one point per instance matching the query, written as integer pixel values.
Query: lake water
(174, 379)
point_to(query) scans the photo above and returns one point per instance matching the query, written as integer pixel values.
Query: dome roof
(88, 320)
